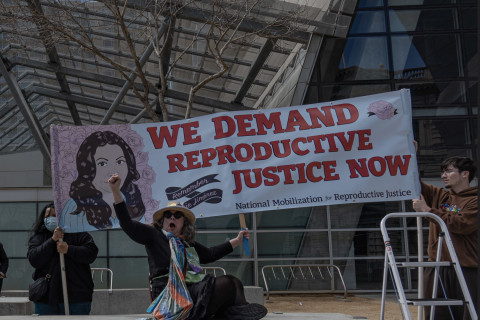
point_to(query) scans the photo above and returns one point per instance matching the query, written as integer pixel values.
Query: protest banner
(347, 151)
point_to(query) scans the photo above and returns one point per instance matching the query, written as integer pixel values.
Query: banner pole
(243, 225)
(64, 282)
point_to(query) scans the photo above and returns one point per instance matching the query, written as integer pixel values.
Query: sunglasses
(169, 214)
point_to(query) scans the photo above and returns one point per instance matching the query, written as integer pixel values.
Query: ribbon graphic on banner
(189, 191)
(209, 196)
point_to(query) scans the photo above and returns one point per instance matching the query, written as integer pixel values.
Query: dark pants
(448, 284)
(1, 282)
(79, 308)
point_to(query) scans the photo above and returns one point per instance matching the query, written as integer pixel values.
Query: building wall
(22, 170)
(429, 47)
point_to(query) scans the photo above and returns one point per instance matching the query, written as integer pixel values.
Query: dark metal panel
(32, 121)
(119, 82)
(36, 9)
(254, 70)
(247, 25)
(127, 85)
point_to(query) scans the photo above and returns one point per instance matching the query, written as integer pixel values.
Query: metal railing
(102, 270)
(214, 270)
(321, 272)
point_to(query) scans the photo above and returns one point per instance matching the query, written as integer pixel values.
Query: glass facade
(347, 236)
(429, 47)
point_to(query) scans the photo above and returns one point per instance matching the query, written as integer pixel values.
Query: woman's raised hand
(115, 182)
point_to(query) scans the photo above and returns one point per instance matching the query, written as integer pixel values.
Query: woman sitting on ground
(212, 296)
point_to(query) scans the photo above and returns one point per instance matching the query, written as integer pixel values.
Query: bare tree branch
(221, 26)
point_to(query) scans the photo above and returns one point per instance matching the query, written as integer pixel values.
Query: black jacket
(3, 260)
(157, 246)
(44, 257)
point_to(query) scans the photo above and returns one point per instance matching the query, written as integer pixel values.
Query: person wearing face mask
(174, 227)
(47, 240)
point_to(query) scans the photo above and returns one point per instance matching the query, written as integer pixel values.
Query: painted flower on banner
(382, 109)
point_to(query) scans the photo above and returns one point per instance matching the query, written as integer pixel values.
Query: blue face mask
(50, 223)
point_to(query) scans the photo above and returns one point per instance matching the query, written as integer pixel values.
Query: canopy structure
(108, 62)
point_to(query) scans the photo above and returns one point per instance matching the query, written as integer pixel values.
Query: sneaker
(251, 311)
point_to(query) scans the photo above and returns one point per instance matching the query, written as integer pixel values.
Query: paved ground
(270, 316)
(355, 306)
(301, 307)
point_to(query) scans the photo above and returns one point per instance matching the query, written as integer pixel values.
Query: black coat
(44, 257)
(3, 260)
(158, 248)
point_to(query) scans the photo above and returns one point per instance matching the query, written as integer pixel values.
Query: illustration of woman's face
(109, 159)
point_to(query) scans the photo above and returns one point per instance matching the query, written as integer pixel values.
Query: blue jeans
(80, 308)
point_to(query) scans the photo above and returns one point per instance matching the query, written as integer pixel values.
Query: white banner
(346, 151)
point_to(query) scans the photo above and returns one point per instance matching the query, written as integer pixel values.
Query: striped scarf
(174, 302)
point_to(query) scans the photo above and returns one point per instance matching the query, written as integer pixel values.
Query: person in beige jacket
(457, 206)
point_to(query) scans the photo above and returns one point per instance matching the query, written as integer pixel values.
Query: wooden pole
(64, 282)
(243, 225)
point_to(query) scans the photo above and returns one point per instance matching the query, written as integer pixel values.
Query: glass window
(368, 243)
(369, 275)
(312, 94)
(120, 244)
(298, 218)
(100, 238)
(445, 132)
(222, 222)
(421, 20)
(440, 111)
(11, 211)
(213, 239)
(342, 243)
(342, 91)
(291, 244)
(339, 212)
(473, 94)
(19, 275)
(471, 54)
(129, 272)
(434, 93)
(469, 18)
(15, 243)
(475, 131)
(368, 22)
(370, 3)
(364, 58)
(433, 56)
(417, 2)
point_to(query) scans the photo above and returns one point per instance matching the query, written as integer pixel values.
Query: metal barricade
(321, 272)
(214, 270)
(102, 270)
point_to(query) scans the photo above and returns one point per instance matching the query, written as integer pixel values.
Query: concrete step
(15, 306)
(105, 302)
(270, 316)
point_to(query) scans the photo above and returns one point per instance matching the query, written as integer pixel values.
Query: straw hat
(175, 206)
